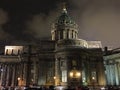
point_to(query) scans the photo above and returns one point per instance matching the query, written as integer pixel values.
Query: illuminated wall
(13, 50)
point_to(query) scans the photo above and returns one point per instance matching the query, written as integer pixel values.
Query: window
(74, 63)
(64, 34)
(64, 76)
(63, 64)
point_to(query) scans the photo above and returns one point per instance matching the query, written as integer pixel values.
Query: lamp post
(18, 81)
(54, 80)
(93, 80)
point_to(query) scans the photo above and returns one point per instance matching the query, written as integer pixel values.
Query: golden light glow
(78, 74)
(54, 77)
(93, 78)
(71, 74)
(18, 78)
(75, 74)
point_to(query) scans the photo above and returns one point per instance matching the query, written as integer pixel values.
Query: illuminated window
(64, 76)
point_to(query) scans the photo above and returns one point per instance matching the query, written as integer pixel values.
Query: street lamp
(54, 80)
(18, 81)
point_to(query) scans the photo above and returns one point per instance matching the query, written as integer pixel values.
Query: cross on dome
(64, 8)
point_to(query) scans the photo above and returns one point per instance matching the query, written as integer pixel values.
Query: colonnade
(12, 74)
(112, 73)
(64, 34)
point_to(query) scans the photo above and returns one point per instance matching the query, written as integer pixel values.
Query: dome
(64, 18)
(64, 27)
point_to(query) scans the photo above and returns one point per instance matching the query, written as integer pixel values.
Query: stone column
(64, 70)
(53, 35)
(35, 73)
(2, 71)
(64, 34)
(7, 77)
(25, 73)
(108, 75)
(101, 73)
(57, 79)
(118, 67)
(58, 35)
(13, 76)
(116, 74)
(69, 33)
(4, 75)
(22, 73)
(119, 71)
(19, 76)
(112, 74)
(73, 34)
(76, 35)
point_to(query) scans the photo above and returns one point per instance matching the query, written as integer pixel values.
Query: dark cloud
(97, 19)
(3, 20)
(40, 25)
(29, 19)
(3, 17)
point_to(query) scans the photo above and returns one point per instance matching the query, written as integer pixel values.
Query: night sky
(29, 19)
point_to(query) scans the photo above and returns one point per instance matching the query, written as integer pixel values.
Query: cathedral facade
(64, 60)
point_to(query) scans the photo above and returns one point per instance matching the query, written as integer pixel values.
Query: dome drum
(64, 26)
